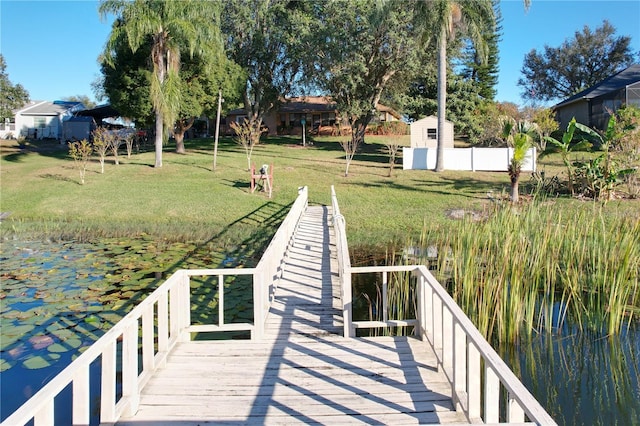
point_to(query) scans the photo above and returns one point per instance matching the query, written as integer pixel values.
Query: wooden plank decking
(304, 371)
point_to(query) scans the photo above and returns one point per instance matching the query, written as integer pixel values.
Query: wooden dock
(303, 371)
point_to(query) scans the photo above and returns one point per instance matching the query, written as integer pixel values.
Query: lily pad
(65, 346)
(5, 365)
(40, 361)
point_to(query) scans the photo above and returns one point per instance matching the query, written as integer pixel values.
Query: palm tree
(174, 27)
(441, 19)
(520, 136)
(446, 16)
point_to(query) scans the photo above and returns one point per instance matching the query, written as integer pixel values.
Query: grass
(185, 199)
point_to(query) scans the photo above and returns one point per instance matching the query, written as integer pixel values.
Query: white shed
(424, 133)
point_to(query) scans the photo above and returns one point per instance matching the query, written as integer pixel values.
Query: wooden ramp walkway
(303, 371)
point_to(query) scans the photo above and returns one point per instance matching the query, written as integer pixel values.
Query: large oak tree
(260, 36)
(362, 49)
(577, 64)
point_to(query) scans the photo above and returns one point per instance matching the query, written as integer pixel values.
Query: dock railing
(474, 369)
(149, 332)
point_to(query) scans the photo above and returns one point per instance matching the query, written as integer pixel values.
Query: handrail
(158, 323)
(344, 265)
(272, 262)
(461, 349)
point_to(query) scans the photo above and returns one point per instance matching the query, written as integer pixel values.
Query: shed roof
(430, 118)
(616, 82)
(100, 112)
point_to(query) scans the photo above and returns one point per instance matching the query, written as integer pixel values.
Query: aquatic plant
(540, 268)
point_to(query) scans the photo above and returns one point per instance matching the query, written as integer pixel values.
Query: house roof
(51, 108)
(616, 82)
(308, 104)
(311, 104)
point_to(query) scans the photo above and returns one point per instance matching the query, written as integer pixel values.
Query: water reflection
(582, 379)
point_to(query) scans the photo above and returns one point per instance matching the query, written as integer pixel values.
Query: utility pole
(215, 144)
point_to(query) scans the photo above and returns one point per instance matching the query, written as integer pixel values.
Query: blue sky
(51, 47)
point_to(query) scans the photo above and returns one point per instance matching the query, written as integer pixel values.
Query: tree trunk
(181, 128)
(515, 195)
(358, 129)
(442, 97)
(179, 137)
(159, 137)
(215, 144)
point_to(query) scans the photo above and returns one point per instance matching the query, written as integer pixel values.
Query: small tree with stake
(102, 141)
(392, 150)
(81, 151)
(247, 135)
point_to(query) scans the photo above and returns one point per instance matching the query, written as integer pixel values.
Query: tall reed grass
(541, 268)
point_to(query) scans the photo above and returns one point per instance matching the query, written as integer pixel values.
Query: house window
(39, 122)
(432, 133)
(328, 118)
(294, 120)
(240, 119)
(283, 120)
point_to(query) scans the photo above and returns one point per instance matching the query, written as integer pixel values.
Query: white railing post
(130, 392)
(258, 305)
(460, 365)
(220, 300)
(385, 297)
(108, 385)
(515, 413)
(45, 416)
(163, 325)
(148, 352)
(81, 404)
(185, 304)
(437, 325)
(447, 342)
(347, 305)
(491, 396)
(174, 312)
(420, 294)
(474, 387)
(428, 314)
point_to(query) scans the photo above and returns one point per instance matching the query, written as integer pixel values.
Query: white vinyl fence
(473, 159)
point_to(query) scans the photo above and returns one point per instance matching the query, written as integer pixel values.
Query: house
(593, 106)
(424, 133)
(43, 119)
(316, 111)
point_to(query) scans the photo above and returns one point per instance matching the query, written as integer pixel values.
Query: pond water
(56, 299)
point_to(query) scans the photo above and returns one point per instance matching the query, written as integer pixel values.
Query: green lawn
(185, 199)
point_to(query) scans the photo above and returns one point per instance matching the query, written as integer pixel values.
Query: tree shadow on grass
(463, 187)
